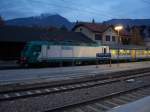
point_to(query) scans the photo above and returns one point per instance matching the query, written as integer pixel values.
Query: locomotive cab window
(36, 48)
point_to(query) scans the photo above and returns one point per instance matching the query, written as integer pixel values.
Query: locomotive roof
(62, 43)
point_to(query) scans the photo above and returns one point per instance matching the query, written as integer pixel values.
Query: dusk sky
(82, 10)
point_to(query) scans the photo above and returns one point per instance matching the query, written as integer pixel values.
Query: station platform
(8, 65)
(142, 105)
(51, 74)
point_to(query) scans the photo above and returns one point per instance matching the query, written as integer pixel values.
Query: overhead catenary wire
(146, 1)
(90, 12)
(102, 12)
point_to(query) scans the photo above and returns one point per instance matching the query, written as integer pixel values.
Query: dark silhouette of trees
(63, 28)
(93, 21)
(2, 23)
(137, 38)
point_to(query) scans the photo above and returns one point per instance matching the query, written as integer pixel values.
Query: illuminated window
(114, 52)
(122, 52)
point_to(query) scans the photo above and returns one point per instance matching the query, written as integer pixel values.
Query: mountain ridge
(44, 20)
(129, 22)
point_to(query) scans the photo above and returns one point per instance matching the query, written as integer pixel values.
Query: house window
(98, 37)
(107, 38)
(80, 29)
(113, 38)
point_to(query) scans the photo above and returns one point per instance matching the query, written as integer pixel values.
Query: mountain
(129, 22)
(44, 20)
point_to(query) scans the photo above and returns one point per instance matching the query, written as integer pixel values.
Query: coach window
(149, 52)
(128, 52)
(107, 38)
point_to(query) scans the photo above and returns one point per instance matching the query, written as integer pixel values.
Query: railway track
(109, 102)
(118, 83)
(48, 89)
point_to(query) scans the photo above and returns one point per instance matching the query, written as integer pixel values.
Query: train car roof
(129, 47)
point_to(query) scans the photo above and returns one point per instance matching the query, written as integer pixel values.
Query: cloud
(83, 10)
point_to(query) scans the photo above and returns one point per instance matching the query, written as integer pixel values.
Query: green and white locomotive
(49, 52)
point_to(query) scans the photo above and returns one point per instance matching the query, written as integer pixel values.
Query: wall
(110, 32)
(11, 50)
(91, 35)
(86, 32)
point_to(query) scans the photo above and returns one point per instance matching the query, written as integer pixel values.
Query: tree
(51, 29)
(2, 23)
(137, 38)
(77, 22)
(128, 28)
(93, 21)
(63, 28)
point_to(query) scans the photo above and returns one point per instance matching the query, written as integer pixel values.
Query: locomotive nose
(23, 60)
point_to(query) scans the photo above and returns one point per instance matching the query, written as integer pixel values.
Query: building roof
(100, 28)
(128, 47)
(24, 34)
(94, 27)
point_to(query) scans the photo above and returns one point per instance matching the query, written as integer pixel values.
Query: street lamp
(118, 28)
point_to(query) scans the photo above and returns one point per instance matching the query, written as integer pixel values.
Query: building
(126, 36)
(146, 35)
(137, 37)
(100, 33)
(13, 39)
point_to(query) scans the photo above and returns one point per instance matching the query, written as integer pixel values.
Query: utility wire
(100, 12)
(145, 1)
(79, 9)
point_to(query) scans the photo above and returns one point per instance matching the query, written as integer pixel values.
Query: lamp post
(118, 28)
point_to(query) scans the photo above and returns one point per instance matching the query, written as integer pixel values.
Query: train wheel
(25, 65)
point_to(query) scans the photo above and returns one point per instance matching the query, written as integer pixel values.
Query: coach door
(133, 54)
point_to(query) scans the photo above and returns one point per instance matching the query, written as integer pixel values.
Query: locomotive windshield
(36, 48)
